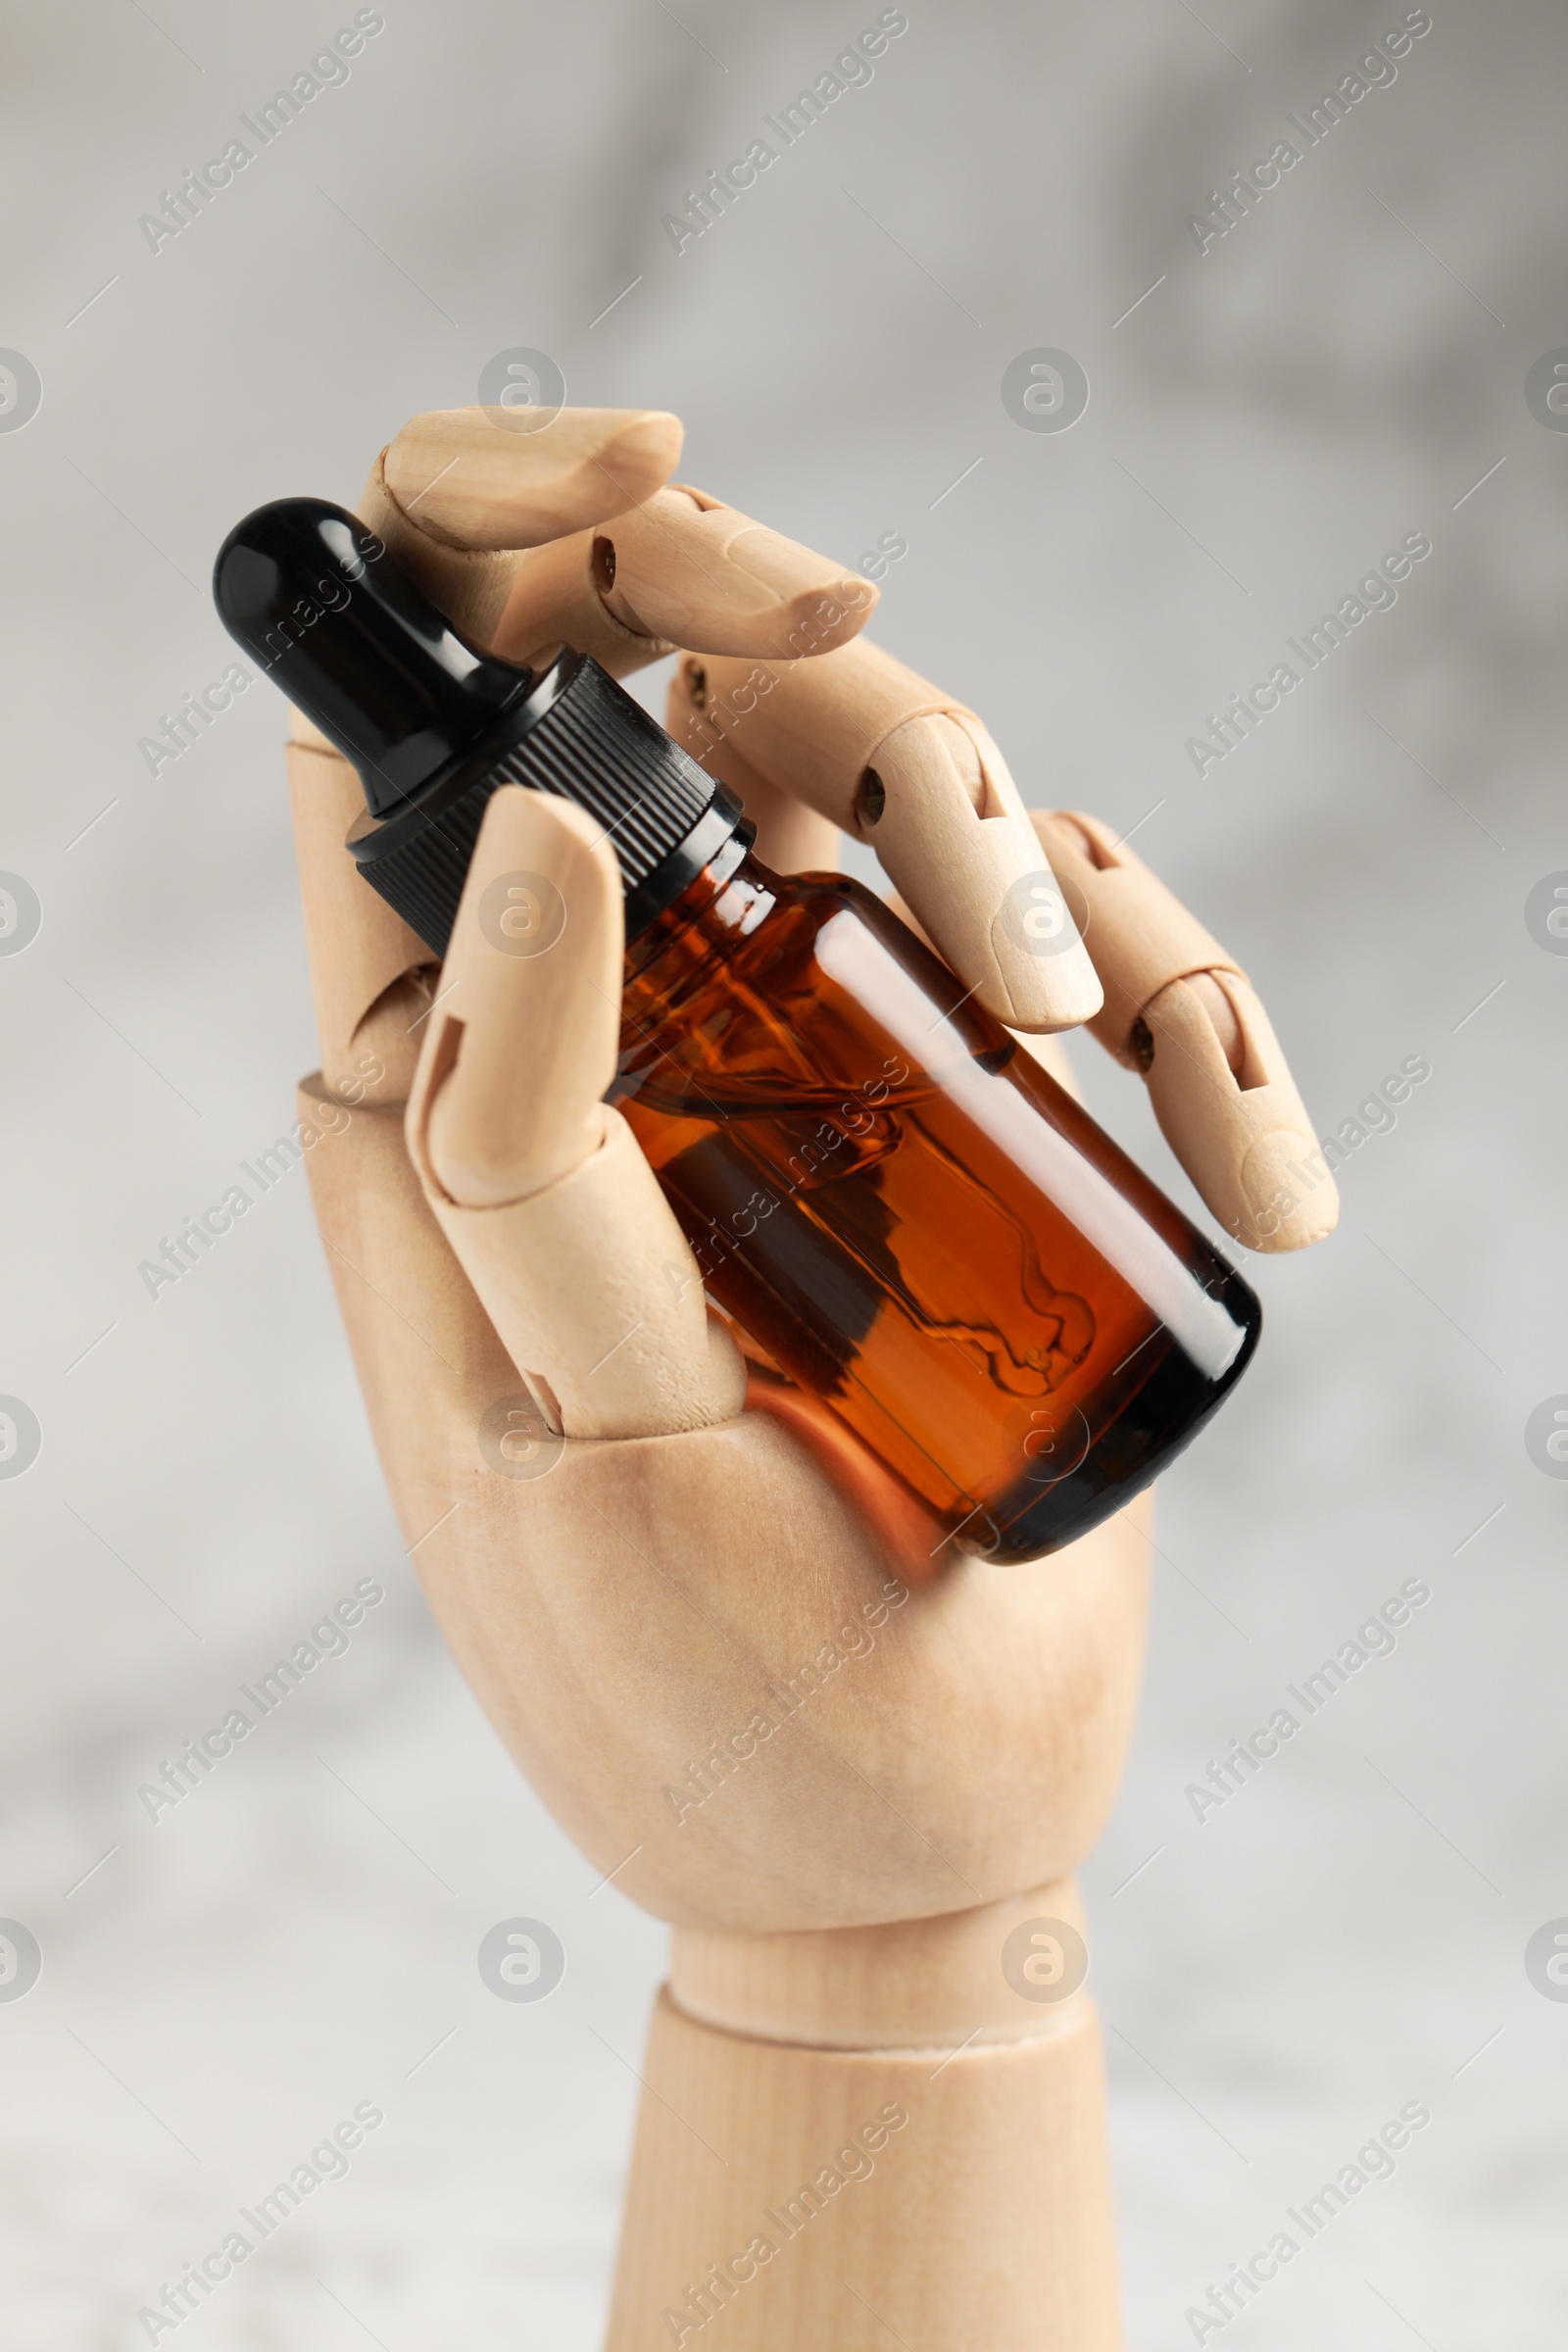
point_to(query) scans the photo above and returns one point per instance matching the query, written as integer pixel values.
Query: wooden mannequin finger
(1042, 1046)
(369, 972)
(457, 496)
(907, 769)
(556, 598)
(1179, 1009)
(684, 565)
(949, 825)
(1139, 934)
(461, 493)
(790, 838)
(521, 1046)
(680, 567)
(550, 1207)
(1241, 1134)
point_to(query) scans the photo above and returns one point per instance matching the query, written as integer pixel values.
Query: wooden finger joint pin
(1180, 1010)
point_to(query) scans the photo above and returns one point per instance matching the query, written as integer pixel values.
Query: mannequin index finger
(460, 495)
(682, 568)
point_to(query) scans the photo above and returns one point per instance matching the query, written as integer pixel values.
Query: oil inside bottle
(910, 1216)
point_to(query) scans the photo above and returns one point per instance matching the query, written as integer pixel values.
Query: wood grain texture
(792, 837)
(506, 478)
(360, 947)
(1250, 1148)
(899, 764)
(901, 1984)
(556, 598)
(520, 1048)
(631, 1614)
(684, 564)
(631, 1351)
(1179, 1008)
(785, 2196)
(812, 725)
(1139, 934)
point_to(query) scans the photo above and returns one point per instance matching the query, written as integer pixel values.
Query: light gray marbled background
(1347, 1935)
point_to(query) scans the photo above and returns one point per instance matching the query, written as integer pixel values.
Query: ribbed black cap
(435, 726)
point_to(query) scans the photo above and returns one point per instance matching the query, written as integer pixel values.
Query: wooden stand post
(865, 2137)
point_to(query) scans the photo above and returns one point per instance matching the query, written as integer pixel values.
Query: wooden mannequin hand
(724, 1668)
(710, 1632)
(706, 1652)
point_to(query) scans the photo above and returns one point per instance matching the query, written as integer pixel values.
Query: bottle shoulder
(811, 977)
(804, 906)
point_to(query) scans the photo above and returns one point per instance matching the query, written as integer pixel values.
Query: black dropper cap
(435, 726)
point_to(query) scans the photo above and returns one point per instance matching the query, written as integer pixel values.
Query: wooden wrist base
(947, 2189)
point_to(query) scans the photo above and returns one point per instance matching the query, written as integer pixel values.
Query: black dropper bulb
(435, 725)
(305, 588)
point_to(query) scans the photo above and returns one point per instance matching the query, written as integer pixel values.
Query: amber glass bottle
(879, 1184)
(890, 1194)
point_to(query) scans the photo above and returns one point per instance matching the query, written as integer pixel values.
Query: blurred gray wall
(1345, 366)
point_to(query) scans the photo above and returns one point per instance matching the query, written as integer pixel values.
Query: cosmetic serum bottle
(900, 1208)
